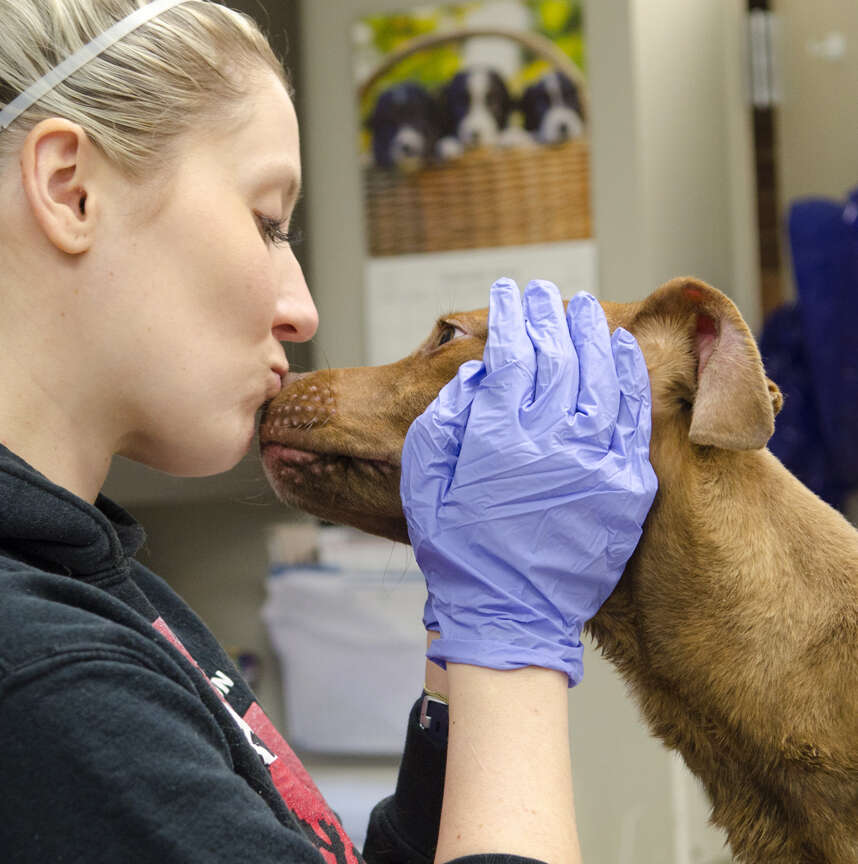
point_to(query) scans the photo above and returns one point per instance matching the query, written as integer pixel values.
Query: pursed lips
(279, 371)
(275, 385)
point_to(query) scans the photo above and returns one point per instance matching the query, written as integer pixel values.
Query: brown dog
(736, 620)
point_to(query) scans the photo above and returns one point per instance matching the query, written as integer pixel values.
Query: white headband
(81, 57)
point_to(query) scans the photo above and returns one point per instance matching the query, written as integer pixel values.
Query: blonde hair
(193, 63)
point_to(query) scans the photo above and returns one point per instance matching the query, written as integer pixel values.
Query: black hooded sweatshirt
(127, 733)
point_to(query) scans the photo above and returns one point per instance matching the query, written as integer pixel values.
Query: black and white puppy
(552, 109)
(405, 126)
(475, 108)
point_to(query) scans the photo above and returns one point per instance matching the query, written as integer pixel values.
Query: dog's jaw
(363, 493)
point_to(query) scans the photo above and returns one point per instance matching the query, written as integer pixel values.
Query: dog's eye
(449, 333)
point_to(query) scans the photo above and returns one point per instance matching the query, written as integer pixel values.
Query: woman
(149, 165)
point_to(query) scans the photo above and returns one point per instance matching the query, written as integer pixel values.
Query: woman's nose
(297, 318)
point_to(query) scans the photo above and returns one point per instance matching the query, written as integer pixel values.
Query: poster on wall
(474, 155)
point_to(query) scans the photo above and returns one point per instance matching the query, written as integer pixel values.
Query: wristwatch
(434, 717)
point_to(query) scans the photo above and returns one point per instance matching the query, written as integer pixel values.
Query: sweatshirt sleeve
(403, 828)
(107, 760)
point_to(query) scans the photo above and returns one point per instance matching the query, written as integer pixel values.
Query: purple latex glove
(527, 481)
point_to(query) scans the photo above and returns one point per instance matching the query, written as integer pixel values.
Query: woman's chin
(203, 459)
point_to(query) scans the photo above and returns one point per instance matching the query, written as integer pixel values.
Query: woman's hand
(527, 481)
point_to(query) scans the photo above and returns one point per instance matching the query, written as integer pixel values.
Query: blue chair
(811, 350)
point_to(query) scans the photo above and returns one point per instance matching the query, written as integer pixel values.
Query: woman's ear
(57, 164)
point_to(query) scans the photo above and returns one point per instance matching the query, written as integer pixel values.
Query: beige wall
(817, 124)
(693, 148)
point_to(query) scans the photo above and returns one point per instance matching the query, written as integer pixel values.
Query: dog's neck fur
(719, 709)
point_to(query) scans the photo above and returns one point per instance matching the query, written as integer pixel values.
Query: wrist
(496, 717)
(469, 684)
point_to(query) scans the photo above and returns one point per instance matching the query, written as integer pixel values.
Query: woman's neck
(44, 420)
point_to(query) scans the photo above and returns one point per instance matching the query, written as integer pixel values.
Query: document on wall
(405, 294)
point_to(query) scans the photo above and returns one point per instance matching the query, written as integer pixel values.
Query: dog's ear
(776, 396)
(734, 404)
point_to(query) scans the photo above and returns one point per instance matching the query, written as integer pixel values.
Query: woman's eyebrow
(280, 174)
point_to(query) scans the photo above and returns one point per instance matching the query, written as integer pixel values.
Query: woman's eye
(449, 333)
(273, 232)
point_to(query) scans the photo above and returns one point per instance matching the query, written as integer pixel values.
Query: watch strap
(434, 716)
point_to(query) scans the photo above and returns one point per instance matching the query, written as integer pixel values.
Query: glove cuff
(502, 655)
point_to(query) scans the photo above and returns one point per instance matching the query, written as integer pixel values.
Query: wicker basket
(488, 197)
